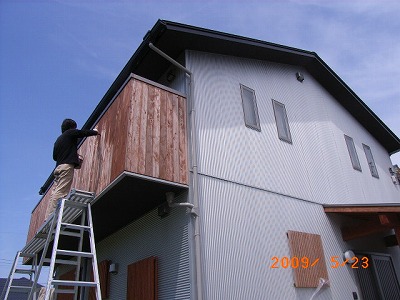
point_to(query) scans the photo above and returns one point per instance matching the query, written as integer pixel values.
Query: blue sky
(58, 58)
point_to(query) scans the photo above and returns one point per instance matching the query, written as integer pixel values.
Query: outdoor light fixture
(349, 256)
(170, 76)
(113, 269)
(300, 77)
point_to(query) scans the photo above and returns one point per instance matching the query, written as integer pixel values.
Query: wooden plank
(132, 160)
(104, 277)
(156, 133)
(306, 245)
(389, 220)
(149, 136)
(362, 230)
(70, 275)
(362, 209)
(183, 170)
(175, 139)
(119, 131)
(169, 140)
(143, 130)
(143, 280)
(38, 216)
(163, 134)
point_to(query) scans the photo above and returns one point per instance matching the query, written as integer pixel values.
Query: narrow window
(281, 120)
(250, 110)
(352, 153)
(370, 160)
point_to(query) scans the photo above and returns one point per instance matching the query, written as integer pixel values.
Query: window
(352, 153)
(370, 160)
(250, 108)
(281, 119)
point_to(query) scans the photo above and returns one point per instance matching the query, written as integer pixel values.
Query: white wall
(255, 187)
(316, 167)
(244, 227)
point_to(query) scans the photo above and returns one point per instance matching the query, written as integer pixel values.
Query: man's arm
(83, 133)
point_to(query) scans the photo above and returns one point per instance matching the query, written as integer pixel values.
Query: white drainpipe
(194, 205)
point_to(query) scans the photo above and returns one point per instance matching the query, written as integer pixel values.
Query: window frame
(370, 161)
(282, 122)
(253, 108)
(355, 161)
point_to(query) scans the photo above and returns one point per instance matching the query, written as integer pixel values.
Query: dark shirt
(66, 146)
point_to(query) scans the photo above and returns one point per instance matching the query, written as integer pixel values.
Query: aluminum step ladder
(11, 285)
(65, 223)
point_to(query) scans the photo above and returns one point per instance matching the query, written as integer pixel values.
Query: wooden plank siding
(143, 131)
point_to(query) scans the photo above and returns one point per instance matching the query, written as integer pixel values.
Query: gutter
(194, 203)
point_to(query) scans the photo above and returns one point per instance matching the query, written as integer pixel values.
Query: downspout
(195, 198)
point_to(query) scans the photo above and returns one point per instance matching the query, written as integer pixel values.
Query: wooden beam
(362, 209)
(362, 230)
(389, 220)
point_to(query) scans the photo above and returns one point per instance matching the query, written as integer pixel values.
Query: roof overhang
(127, 198)
(374, 218)
(175, 38)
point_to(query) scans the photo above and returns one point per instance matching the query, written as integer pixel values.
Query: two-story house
(233, 168)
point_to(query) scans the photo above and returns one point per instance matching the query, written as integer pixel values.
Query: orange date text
(306, 262)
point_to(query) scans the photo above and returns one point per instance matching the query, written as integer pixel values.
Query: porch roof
(374, 218)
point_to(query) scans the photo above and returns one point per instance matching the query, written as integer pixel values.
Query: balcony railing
(142, 150)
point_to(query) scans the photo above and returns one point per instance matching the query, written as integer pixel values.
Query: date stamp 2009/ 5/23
(305, 262)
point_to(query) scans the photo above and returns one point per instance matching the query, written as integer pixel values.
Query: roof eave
(191, 38)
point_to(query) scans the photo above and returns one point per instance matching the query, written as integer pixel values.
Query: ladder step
(65, 291)
(75, 204)
(24, 254)
(74, 253)
(74, 283)
(25, 271)
(75, 226)
(62, 261)
(70, 233)
(17, 288)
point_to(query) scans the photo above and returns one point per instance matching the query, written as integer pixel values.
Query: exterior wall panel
(166, 238)
(143, 131)
(244, 227)
(315, 167)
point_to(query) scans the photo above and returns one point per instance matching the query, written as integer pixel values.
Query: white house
(279, 168)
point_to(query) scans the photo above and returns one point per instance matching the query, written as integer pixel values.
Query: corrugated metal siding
(166, 238)
(316, 167)
(244, 227)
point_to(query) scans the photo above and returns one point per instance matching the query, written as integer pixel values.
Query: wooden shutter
(309, 246)
(66, 276)
(104, 277)
(143, 280)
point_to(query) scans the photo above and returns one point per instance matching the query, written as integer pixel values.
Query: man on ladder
(60, 221)
(65, 153)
